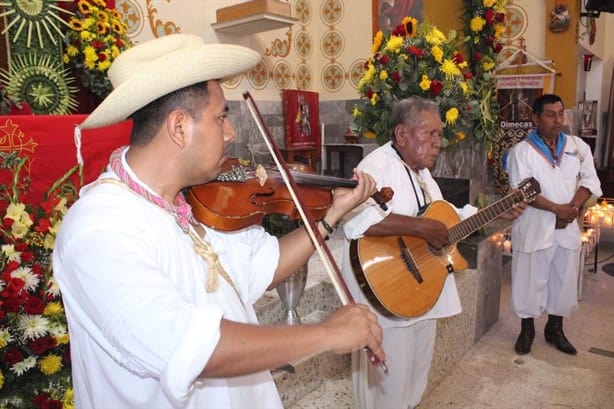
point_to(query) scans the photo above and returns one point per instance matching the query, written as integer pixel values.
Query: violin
(242, 197)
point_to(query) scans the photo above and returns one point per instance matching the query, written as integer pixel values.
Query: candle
(507, 246)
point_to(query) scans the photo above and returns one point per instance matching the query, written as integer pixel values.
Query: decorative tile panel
(331, 11)
(302, 11)
(333, 76)
(304, 77)
(259, 75)
(282, 74)
(332, 44)
(133, 16)
(303, 44)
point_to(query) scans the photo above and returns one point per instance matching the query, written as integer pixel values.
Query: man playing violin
(159, 306)
(403, 164)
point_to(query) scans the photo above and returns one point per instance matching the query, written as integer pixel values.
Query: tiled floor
(491, 375)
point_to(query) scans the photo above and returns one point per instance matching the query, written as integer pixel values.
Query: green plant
(417, 59)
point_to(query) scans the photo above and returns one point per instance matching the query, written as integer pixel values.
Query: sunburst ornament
(44, 84)
(36, 17)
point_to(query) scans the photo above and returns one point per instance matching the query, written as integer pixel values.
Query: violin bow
(310, 225)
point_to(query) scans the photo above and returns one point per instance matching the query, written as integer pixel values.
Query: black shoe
(526, 336)
(555, 336)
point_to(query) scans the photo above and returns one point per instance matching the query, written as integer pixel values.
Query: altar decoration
(484, 22)
(417, 59)
(35, 367)
(96, 37)
(36, 74)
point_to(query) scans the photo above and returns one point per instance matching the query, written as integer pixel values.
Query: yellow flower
(377, 41)
(451, 116)
(374, 99)
(50, 364)
(356, 112)
(1, 379)
(71, 50)
(383, 75)
(464, 86)
(53, 308)
(437, 53)
(449, 68)
(499, 30)
(477, 24)
(68, 401)
(435, 37)
(411, 24)
(460, 135)
(488, 65)
(488, 3)
(62, 339)
(370, 135)
(425, 83)
(394, 44)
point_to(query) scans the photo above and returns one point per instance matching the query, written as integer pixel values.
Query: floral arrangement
(484, 25)
(34, 344)
(416, 59)
(97, 36)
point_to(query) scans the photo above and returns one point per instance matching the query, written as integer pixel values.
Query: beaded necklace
(182, 212)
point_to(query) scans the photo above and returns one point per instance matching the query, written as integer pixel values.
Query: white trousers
(545, 280)
(409, 351)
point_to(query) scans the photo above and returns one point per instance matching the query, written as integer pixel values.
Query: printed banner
(48, 142)
(515, 95)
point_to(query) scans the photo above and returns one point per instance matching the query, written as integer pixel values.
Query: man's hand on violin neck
(346, 199)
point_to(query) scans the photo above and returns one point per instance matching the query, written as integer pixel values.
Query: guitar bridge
(409, 263)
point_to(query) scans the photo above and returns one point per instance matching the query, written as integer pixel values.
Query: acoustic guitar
(402, 276)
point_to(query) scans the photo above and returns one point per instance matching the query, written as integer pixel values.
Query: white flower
(53, 288)
(32, 326)
(15, 210)
(23, 366)
(5, 337)
(10, 253)
(30, 279)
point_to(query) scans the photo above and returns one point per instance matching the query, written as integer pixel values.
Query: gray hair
(406, 111)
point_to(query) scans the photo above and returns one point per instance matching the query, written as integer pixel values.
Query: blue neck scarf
(538, 143)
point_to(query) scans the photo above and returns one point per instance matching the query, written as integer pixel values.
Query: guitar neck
(486, 215)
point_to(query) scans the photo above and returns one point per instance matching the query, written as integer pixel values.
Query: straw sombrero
(155, 68)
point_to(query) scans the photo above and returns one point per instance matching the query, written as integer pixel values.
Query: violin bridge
(261, 174)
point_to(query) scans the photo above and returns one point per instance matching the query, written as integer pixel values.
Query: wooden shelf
(255, 23)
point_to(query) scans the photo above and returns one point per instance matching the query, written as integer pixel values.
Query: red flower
(34, 305)
(477, 56)
(384, 60)
(490, 40)
(12, 356)
(468, 75)
(498, 47)
(7, 223)
(54, 404)
(119, 42)
(436, 87)
(11, 304)
(13, 288)
(102, 57)
(42, 345)
(43, 225)
(21, 246)
(500, 17)
(458, 58)
(396, 76)
(369, 93)
(400, 31)
(418, 52)
(27, 257)
(98, 44)
(489, 15)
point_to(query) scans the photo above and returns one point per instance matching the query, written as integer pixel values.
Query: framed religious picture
(387, 14)
(588, 117)
(301, 118)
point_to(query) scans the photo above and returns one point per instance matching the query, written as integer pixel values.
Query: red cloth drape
(48, 142)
